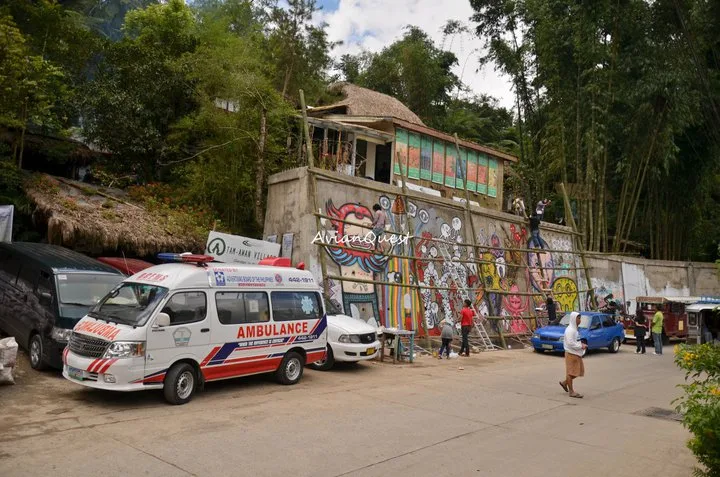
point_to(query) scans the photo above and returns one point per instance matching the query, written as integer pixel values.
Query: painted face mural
(361, 219)
(568, 300)
(540, 267)
(359, 299)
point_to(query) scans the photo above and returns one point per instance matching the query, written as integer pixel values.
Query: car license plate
(370, 351)
(547, 346)
(75, 373)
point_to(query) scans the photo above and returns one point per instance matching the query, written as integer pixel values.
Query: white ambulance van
(179, 325)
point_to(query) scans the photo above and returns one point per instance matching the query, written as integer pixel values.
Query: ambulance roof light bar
(275, 262)
(280, 262)
(199, 260)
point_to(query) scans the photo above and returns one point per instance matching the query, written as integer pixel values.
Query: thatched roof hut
(359, 101)
(95, 220)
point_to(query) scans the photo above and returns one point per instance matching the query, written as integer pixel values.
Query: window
(584, 320)
(130, 303)
(28, 278)
(289, 306)
(608, 321)
(45, 284)
(595, 323)
(677, 308)
(186, 307)
(236, 308)
(85, 289)
(9, 269)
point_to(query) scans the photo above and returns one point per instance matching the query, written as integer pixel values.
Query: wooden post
(578, 244)
(324, 153)
(411, 228)
(468, 218)
(313, 190)
(353, 154)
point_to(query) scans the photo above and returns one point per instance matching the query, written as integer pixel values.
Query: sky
(373, 24)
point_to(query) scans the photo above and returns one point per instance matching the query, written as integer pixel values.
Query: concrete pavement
(503, 415)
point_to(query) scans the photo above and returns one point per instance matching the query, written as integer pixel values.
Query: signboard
(6, 222)
(438, 162)
(492, 177)
(401, 152)
(460, 169)
(472, 171)
(235, 249)
(482, 174)
(426, 158)
(450, 161)
(414, 156)
(287, 245)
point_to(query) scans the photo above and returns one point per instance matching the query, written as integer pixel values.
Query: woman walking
(574, 351)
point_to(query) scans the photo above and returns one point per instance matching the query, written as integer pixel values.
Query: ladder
(484, 339)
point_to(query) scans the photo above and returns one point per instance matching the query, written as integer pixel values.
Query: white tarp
(236, 249)
(6, 222)
(8, 355)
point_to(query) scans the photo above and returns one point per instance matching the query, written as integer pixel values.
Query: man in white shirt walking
(574, 351)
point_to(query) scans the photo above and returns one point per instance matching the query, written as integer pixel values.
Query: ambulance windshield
(130, 303)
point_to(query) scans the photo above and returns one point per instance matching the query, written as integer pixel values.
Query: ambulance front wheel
(180, 383)
(326, 363)
(291, 368)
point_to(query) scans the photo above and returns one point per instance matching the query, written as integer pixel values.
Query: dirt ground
(502, 414)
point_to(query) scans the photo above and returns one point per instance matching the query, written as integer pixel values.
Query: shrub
(700, 405)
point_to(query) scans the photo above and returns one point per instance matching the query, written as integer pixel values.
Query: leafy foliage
(413, 70)
(701, 403)
(618, 99)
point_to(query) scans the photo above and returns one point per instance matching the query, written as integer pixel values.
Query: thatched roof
(359, 101)
(95, 220)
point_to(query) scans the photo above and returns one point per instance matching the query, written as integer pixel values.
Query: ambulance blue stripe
(228, 348)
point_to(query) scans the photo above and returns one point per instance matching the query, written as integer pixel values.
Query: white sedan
(349, 340)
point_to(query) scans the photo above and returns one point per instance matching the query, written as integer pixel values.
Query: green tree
(299, 49)
(413, 70)
(141, 89)
(31, 87)
(235, 139)
(605, 94)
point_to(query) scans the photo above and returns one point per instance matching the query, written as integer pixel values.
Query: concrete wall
(505, 280)
(628, 277)
(508, 282)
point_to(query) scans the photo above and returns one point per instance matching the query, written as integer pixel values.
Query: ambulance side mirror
(162, 320)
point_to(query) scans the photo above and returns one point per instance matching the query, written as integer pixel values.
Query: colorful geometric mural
(499, 284)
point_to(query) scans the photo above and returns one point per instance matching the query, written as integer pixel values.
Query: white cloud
(373, 24)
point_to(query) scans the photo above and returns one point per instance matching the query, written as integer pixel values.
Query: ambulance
(179, 325)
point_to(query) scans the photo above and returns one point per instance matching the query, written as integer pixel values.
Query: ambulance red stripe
(208, 357)
(241, 369)
(92, 365)
(107, 366)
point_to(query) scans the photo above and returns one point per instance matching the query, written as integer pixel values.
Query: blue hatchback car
(598, 330)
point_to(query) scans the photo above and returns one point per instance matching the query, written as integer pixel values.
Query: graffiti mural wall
(507, 276)
(436, 254)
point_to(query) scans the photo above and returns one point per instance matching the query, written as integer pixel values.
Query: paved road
(503, 415)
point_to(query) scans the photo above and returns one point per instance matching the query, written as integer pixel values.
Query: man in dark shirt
(551, 309)
(535, 231)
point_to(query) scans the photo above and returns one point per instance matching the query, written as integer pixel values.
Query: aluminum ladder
(484, 339)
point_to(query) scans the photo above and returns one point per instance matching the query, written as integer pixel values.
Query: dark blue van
(44, 291)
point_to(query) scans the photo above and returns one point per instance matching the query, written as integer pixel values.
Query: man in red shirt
(466, 322)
